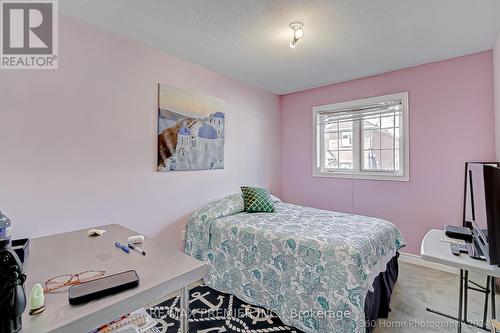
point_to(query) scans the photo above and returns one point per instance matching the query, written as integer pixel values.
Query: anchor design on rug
(197, 296)
(213, 329)
(257, 314)
(164, 325)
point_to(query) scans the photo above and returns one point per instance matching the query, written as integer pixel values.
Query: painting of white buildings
(191, 130)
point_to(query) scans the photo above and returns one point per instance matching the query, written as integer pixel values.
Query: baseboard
(416, 260)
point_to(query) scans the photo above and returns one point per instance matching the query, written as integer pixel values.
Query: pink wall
(451, 121)
(496, 69)
(78, 144)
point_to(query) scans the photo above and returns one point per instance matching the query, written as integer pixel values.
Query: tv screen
(482, 207)
(478, 203)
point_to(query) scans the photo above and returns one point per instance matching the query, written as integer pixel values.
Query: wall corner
(496, 74)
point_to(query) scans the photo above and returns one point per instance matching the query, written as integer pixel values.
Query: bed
(318, 270)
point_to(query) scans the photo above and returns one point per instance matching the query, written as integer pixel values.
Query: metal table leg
(466, 294)
(486, 295)
(493, 308)
(184, 316)
(462, 302)
(460, 296)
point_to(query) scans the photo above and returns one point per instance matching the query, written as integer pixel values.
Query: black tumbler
(12, 295)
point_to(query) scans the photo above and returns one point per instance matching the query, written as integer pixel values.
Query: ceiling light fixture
(297, 33)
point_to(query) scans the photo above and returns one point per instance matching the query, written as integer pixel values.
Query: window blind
(366, 112)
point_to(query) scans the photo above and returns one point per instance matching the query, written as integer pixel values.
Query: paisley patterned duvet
(312, 267)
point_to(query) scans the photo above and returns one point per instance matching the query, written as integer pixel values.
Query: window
(346, 139)
(365, 139)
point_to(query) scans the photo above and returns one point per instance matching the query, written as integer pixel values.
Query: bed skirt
(377, 302)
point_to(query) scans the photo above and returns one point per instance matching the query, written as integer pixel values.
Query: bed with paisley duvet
(318, 270)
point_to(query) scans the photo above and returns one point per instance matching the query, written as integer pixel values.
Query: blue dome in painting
(184, 131)
(207, 132)
(219, 114)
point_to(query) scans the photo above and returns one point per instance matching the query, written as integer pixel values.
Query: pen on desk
(138, 249)
(123, 247)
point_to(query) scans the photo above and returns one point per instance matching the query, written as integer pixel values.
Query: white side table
(435, 250)
(162, 271)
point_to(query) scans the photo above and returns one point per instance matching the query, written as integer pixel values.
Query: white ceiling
(343, 39)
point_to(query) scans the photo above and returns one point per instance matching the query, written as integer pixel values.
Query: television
(482, 208)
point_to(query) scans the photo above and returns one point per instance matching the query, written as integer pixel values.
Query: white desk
(162, 272)
(435, 250)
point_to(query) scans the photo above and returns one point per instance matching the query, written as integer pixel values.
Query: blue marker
(123, 247)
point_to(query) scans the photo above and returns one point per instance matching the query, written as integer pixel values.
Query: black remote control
(455, 249)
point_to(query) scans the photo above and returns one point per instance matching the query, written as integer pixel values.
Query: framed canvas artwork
(191, 130)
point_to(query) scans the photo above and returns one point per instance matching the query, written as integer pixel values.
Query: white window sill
(363, 176)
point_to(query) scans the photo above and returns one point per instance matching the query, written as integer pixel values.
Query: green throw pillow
(257, 200)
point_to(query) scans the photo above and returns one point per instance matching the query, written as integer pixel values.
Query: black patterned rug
(215, 312)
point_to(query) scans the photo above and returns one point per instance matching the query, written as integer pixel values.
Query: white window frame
(357, 173)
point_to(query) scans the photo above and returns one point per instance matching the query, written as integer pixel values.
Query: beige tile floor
(418, 288)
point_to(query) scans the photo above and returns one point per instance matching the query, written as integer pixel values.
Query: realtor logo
(29, 34)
